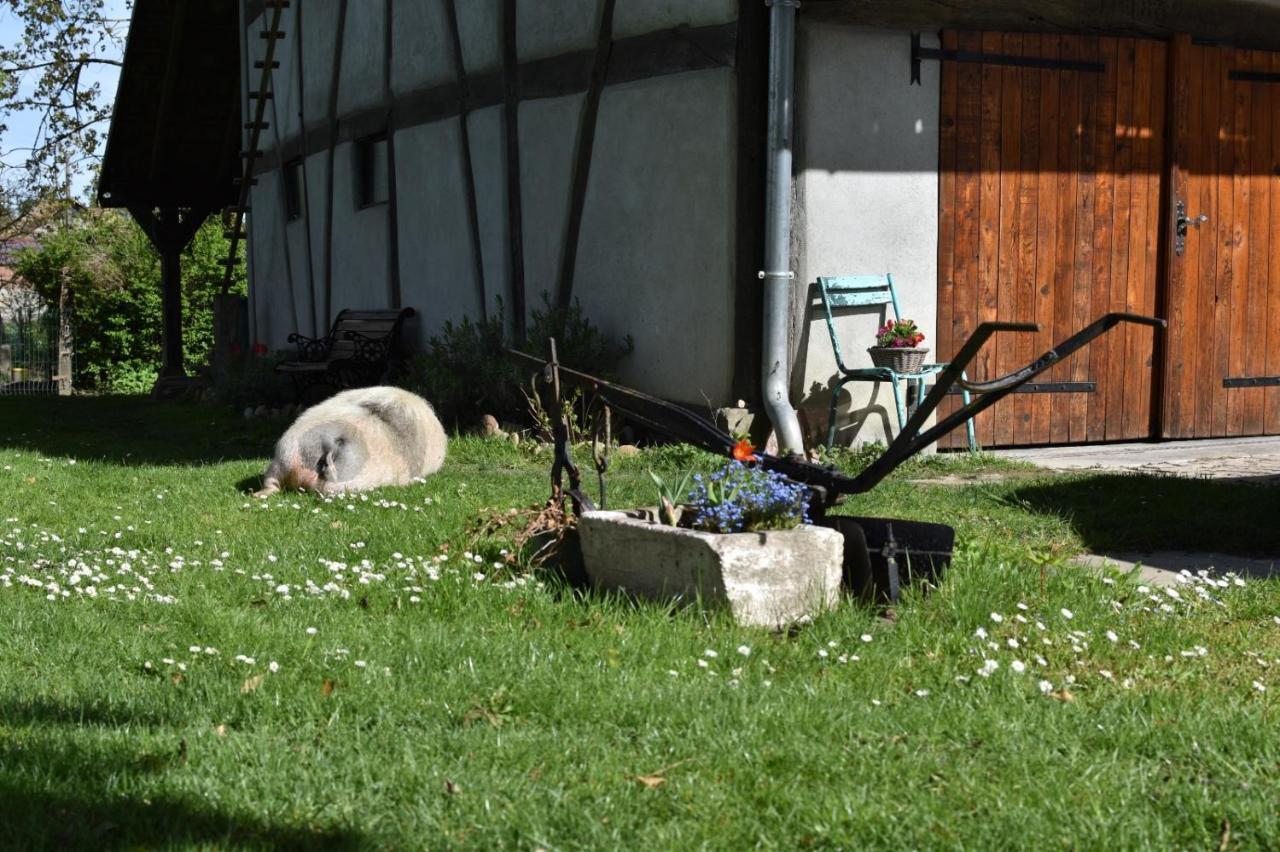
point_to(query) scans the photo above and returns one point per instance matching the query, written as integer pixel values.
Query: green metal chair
(861, 291)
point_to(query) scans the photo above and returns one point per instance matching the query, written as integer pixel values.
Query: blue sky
(22, 126)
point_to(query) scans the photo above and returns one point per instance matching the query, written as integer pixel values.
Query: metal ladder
(233, 217)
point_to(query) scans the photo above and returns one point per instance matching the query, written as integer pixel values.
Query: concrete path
(1253, 460)
(1162, 568)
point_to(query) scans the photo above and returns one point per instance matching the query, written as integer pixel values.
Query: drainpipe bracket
(788, 275)
(794, 3)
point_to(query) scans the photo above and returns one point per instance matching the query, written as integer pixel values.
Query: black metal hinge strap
(1254, 76)
(1046, 387)
(1252, 382)
(919, 53)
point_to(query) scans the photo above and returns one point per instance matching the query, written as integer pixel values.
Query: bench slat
(364, 326)
(374, 315)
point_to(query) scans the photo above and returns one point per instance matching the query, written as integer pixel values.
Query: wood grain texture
(947, 218)
(1058, 226)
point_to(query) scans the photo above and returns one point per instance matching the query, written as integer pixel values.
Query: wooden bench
(363, 348)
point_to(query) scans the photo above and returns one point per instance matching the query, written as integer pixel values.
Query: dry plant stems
(533, 536)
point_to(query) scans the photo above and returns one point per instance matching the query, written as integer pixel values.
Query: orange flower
(743, 451)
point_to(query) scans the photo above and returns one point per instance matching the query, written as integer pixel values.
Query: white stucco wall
(437, 269)
(552, 27)
(656, 258)
(489, 162)
(364, 37)
(480, 31)
(636, 17)
(421, 46)
(317, 169)
(867, 184)
(361, 262)
(548, 139)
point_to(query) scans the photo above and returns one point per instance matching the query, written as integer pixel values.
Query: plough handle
(911, 440)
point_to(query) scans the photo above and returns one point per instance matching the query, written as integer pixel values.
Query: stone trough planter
(766, 579)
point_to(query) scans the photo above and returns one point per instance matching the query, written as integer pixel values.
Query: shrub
(112, 274)
(466, 372)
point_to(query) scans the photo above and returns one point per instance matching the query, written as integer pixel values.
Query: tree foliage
(112, 274)
(50, 74)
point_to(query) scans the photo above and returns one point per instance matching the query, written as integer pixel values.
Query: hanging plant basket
(900, 359)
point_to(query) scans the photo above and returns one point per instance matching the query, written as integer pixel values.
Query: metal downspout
(777, 274)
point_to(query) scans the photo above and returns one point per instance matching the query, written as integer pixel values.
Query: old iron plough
(880, 553)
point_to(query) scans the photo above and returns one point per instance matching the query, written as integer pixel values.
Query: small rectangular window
(293, 189)
(372, 169)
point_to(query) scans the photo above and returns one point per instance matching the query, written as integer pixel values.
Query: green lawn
(185, 666)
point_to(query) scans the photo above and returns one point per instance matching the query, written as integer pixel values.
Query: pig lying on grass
(356, 440)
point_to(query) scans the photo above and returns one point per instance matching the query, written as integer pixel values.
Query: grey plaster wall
(636, 17)
(488, 158)
(361, 260)
(319, 30)
(656, 257)
(551, 27)
(272, 305)
(437, 271)
(316, 169)
(548, 138)
(421, 48)
(867, 162)
(363, 50)
(480, 31)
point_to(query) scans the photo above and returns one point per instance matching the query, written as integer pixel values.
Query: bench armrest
(311, 348)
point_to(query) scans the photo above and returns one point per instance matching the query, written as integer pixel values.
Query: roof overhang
(1239, 23)
(175, 132)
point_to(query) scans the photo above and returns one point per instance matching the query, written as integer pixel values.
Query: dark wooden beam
(464, 141)
(1240, 23)
(171, 297)
(511, 111)
(582, 161)
(170, 229)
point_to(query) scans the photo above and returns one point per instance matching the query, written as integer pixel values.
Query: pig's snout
(302, 478)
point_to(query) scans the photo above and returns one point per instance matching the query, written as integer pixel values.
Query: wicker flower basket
(900, 359)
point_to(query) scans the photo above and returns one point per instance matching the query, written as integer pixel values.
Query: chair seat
(885, 373)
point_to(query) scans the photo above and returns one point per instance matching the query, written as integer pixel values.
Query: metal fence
(29, 356)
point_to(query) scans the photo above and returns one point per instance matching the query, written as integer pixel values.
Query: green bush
(112, 273)
(466, 372)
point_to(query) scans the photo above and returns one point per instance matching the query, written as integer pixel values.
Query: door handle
(1181, 223)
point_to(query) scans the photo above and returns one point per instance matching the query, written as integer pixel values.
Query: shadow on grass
(1141, 512)
(57, 795)
(130, 430)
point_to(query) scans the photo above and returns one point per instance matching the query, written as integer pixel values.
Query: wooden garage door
(1049, 212)
(1223, 365)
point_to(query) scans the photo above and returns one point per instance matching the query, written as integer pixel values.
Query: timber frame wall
(734, 46)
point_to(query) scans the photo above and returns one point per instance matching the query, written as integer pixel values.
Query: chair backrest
(855, 291)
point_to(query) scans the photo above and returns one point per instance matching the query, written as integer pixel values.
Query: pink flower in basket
(899, 334)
